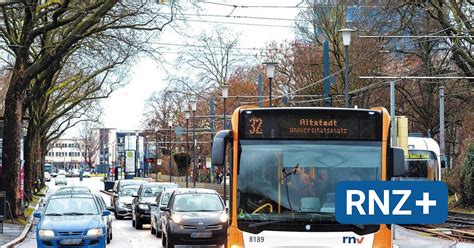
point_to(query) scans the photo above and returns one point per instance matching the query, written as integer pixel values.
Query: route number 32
(256, 239)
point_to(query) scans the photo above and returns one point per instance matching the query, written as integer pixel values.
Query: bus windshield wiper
(266, 223)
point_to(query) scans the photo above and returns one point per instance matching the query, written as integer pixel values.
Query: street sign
(130, 161)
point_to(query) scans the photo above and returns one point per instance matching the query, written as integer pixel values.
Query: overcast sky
(124, 110)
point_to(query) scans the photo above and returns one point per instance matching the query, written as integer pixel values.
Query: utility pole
(392, 111)
(441, 124)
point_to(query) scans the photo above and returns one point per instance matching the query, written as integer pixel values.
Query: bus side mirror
(397, 163)
(219, 145)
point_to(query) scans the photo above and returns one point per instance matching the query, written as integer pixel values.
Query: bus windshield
(292, 180)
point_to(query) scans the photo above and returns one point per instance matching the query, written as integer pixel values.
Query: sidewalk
(10, 232)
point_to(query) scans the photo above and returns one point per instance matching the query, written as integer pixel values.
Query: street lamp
(225, 92)
(270, 68)
(186, 116)
(193, 104)
(156, 150)
(346, 41)
(170, 125)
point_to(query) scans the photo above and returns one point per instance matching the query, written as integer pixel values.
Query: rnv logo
(374, 199)
(352, 240)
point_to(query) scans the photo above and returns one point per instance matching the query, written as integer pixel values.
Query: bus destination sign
(310, 124)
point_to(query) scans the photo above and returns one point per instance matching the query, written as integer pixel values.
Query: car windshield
(128, 191)
(197, 202)
(165, 198)
(61, 177)
(154, 190)
(308, 172)
(71, 206)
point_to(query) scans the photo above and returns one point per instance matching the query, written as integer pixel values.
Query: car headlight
(94, 232)
(46, 233)
(143, 206)
(176, 218)
(224, 217)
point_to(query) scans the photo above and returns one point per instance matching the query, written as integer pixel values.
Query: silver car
(155, 212)
(60, 179)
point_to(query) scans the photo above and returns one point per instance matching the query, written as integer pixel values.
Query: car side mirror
(164, 209)
(106, 213)
(134, 195)
(37, 214)
(111, 209)
(219, 145)
(397, 167)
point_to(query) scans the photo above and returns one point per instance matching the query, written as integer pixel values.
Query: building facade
(66, 154)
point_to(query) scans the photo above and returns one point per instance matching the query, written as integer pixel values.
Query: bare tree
(41, 36)
(88, 142)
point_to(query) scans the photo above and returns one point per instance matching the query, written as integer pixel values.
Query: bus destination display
(307, 124)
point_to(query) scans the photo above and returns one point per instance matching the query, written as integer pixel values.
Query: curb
(25, 232)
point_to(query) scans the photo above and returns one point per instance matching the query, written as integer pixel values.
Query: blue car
(71, 220)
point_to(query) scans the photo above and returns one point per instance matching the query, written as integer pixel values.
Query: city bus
(285, 164)
(423, 160)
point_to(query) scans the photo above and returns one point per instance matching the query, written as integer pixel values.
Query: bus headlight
(94, 232)
(176, 218)
(46, 234)
(224, 217)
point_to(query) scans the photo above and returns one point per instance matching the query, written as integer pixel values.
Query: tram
(423, 161)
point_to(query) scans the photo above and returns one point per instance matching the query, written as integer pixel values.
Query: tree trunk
(42, 151)
(12, 146)
(31, 157)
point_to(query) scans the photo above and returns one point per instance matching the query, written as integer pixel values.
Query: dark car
(155, 211)
(118, 186)
(71, 220)
(194, 216)
(123, 201)
(145, 196)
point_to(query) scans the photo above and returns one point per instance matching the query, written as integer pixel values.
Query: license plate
(198, 235)
(71, 241)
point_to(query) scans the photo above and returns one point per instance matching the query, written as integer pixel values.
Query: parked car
(60, 179)
(123, 201)
(54, 174)
(47, 176)
(61, 172)
(189, 212)
(114, 192)
(141, 202)
(155, 212)
(71, 220)
(75, 172)
(86, 174)
(108, 218)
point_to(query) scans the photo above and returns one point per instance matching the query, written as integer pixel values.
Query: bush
(452, 179)
(467, 176)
